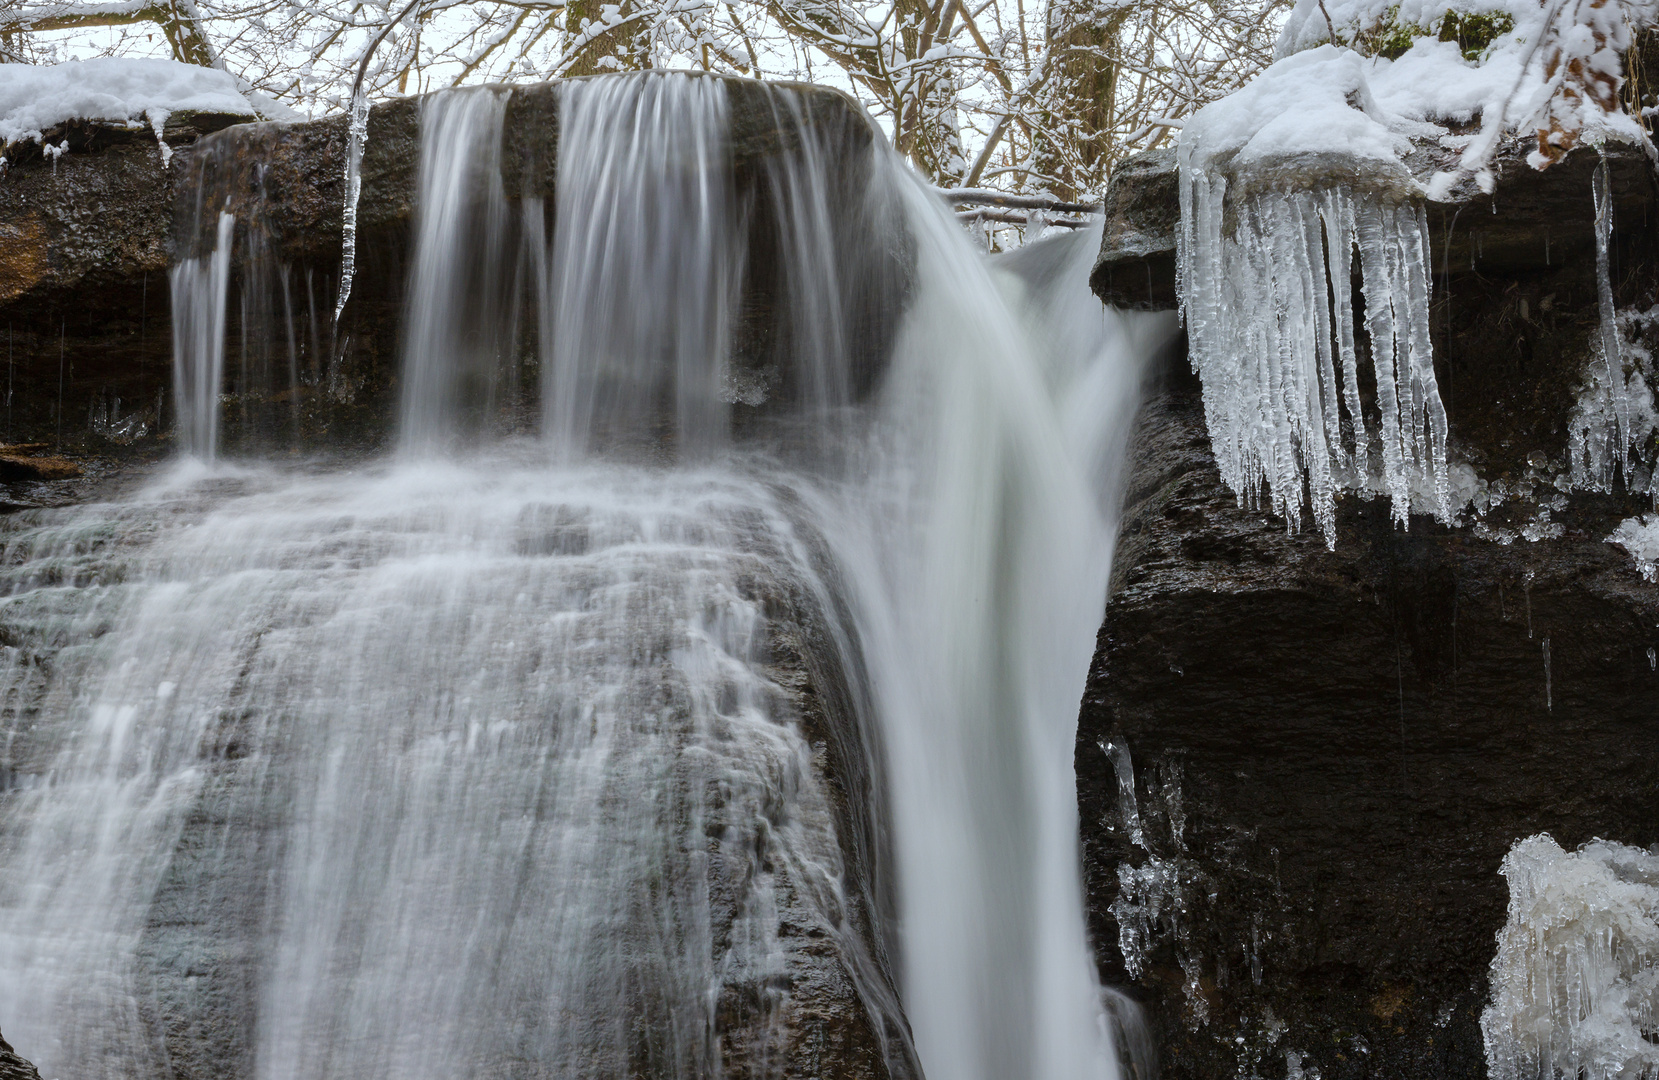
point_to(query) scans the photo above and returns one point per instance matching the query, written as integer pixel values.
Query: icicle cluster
(1614, 421)
(1271, 330)
(1575, 984)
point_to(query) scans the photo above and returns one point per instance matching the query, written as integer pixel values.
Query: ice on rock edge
(1614, 419)
(1575, 983)
(1271, 333)
(1640, 537)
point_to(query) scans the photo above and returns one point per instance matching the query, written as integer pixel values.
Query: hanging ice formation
(1575, 984)
(1271, 332)
(358, 134)
(1614, 419)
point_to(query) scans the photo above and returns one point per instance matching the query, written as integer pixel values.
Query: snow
(34, 99)
(1324, 106)
(1575, 983)
(1295, 113)
(1330, 113)
(1640, 537)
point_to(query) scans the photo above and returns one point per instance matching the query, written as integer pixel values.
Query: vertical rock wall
(1333, 750)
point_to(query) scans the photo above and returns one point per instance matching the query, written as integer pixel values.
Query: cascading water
(536, 760)
(630, 321)
(200, 286)
(454, 330)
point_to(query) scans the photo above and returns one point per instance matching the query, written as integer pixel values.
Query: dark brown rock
(15, 466)
(86, 241)
(1136, 267)
(83, 282)
(1333, 750)
(1354, 739)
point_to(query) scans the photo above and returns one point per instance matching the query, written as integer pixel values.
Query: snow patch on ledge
(34, 99)
(1331, 115)
(1575, 984)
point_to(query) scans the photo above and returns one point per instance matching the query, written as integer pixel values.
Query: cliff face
(1333, 750)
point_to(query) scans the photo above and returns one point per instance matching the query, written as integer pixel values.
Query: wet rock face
(1333, 750)
(13, 1067)
(285, 184)
(83, 283)
(201, 969)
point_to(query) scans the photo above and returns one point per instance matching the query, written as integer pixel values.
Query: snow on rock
(1640, 537)
(1575, 983)
(1330, 114)
(1523, 66)
(34, 99)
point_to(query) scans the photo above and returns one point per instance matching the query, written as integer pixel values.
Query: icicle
(158, 124)
(1338, 212)
(1270, 323)
(359, 135)
(1128, 808)
(1429, 428)
(1614, 418)
(1608, 331)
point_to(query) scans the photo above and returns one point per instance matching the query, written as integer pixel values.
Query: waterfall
(454, 332)
(638, 286)
(537, 756)
(979, 558)
(200, 288)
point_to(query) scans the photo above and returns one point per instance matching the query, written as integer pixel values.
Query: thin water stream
(540, 757)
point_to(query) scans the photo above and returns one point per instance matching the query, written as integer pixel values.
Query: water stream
(556, 756)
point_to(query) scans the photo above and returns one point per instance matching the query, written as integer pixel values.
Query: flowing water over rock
(661, 744)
